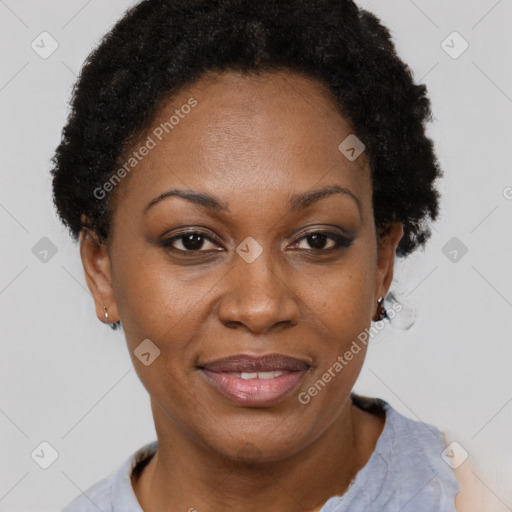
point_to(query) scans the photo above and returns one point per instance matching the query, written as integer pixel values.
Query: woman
(240, 177)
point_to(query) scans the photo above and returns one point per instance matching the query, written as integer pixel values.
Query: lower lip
(254, 392)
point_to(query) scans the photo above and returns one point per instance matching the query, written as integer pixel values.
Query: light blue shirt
(404, 473)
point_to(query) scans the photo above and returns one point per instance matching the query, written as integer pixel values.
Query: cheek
(342, 317)
(152, 301)
(339, 332)
(342, 297)
(154, 305)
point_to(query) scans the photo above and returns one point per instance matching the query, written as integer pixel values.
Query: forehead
(260, 136)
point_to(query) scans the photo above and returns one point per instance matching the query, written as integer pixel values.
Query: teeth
(247, 376)
(268, 375)
(261, 375)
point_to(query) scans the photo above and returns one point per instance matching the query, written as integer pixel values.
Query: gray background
(67, 379)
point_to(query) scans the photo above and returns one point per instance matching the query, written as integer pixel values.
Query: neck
(185, 476)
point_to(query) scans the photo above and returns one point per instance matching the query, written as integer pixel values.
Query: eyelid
(325, 228)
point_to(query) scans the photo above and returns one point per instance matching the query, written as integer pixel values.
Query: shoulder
(422, 469)
(114, 493)
(407, 469)
(406, 442)
(97, 497)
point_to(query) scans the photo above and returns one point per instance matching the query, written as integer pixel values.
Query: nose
(257, 296)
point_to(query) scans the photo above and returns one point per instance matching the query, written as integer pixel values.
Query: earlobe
(96, 263)
(388, 243)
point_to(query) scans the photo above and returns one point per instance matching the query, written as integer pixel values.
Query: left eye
(318, 240)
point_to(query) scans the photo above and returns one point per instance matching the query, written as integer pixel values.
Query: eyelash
(341, 242)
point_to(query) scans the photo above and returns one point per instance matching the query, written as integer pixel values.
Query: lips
(255, 381)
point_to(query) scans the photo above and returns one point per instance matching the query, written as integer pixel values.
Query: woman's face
(252, 287)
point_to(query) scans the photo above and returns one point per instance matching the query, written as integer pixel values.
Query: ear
(96, 263)
(388, 240)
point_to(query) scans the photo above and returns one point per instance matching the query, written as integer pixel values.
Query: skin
(252, 142)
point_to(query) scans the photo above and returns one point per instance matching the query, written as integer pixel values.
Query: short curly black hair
(160, 46)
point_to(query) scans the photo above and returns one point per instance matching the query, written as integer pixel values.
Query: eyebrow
(297, 202)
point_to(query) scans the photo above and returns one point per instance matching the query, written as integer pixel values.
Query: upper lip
(247, 363)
